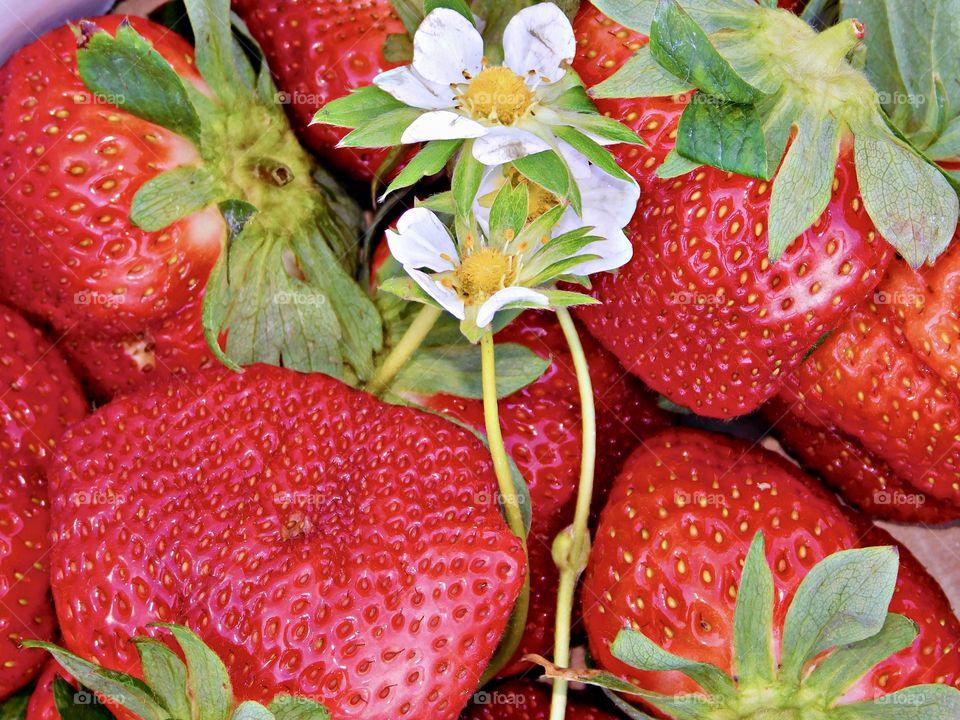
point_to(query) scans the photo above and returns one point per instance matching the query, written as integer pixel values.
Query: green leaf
(575, 100)
(640, 77)
(398, 49)
(726, 136)
(74, 704)
(592, 151)
(467, 176)
(550, 171)
(425, 163)
(291, 707)
(841, 670)
(172, 196)
(250, 710)
(753, 619)
(125, 689)
(127, 72)
(208, 684)
(220, 59)
(605, 127)
(441, 203)
(675, 165)
(382, 131)
(359, 107)
(405, 288)
(410, 13)
(911, 203)
(638, 651)
(683, 48)
(508, 214)
(560, 268)
(804, 182)
(15, 706)
(562, 247)
(920, 702)
(166, 675)
(455, 370)
(842, 600)
(456, 5)
(566, 298)
(631, 14)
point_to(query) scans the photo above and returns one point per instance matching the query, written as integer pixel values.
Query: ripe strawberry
(542, 433)
(885, 385)
(670, 550)
(523, 700)
(41, 705)
(701, 313)
(320, 50)
(40, 398)
(343, 558)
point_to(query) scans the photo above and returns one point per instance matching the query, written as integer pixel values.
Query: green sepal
(172, 196)
(410, 13)
(665, 403)
(841, 670)
(398, 48)
(456, 5)
(920, 702)
(816, 346)
(542, 227)
(563, 298)
(384, 131)
(683, 48)
(637, 16)
(753, 619)
(429, 161)
(560, 248)
(576, 100)
(77, 704)
(166, 674)
(405, 288)
(559, 268)
(251, 710)
(126, 71)
(640, 77)
(508, 214)
(124, 689)
(842, 600)
(549, 170)
(592, 151)
(604, 127)
(455, 370)
(220, 58)
(15, 706)
(467, 175)
(359, 107)
(675, 165)
(208, 684)
(442, 203)
(290, 707)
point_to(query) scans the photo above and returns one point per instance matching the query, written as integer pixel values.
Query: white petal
(615, 250)
(539, 39)
(490, 184)
(445, 46)
(448, 299)
(407, 86)
(505, 297)
(422, 241)
(501, 145)
(608, 200)
(441, 125)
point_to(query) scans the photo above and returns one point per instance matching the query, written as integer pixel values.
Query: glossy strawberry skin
(319, 541)
(320, 50)
(886, 382)
(70, 165)
(40, 399)
(542, 433)
(671, 542)
(700, 313)
(524, 700)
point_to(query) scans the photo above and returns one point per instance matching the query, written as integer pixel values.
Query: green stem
(412, 339)
(572, 547)
(511, 505)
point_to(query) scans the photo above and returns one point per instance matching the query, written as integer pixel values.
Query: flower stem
(412, 339)
(572, 547)
(510, 501)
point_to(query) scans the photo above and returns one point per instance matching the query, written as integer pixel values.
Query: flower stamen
(498, 95)
(483, 273)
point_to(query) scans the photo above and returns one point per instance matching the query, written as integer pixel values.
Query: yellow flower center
(499, 95)
(539, 199)
(483, 273)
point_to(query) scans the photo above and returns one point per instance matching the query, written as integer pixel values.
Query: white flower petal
(539, 39)
(445, 46)
(441, 125)
(504, 297)
(615, 250)
(491, 183)
(407, 86)
(448, 298)
(422, 241)
(608, 200)
(501, 145)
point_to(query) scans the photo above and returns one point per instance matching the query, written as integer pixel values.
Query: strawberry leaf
(563, 298)
(637, 16)
(641, 76)
(172, 196)
(675, 165)
(382, 131)
(361, 106)
(290, 707)
(74, 704)
(166, 674)
(220, 59)
(508, 214)
(842, 600)
(410, 13)
(15, 706)
(250, 710)
(592, 151)
(467, 176)
(753, 619)
(456, 5)
(429, 161)
(549, 170)
(153, 91)
(208, 684)
(920, 702)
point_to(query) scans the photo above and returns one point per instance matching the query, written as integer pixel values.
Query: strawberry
(541, 429)
(321, 542)
(40, 398)
(701, 313)
(670, 550)
(523, 700)
(147, 230)
(885, 386)
(320, 50)
(41, 705)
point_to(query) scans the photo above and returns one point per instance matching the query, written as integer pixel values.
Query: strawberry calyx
(282, 291)
(776, 100)
(197, 686)
(837, 628)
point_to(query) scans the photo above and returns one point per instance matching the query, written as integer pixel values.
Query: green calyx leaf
(675, 165)
(154, 92)
(640, 652)
(753, 619)
(549, 170)
(429, 161)
(15, 706)
(641, 76)
(220, 58)
(508, 215)
(208, 685)
(459, 6)
(467, 176)
(174, 195)
(77, 704)
(359, 107)
(166, 674)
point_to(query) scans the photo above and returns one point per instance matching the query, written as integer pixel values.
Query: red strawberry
(542, 433)
(39, 399)
(670, 550)
(885, 384)
(320, 541)
(700, 313)
(523, 700)
(320, 50)
(41, 705)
